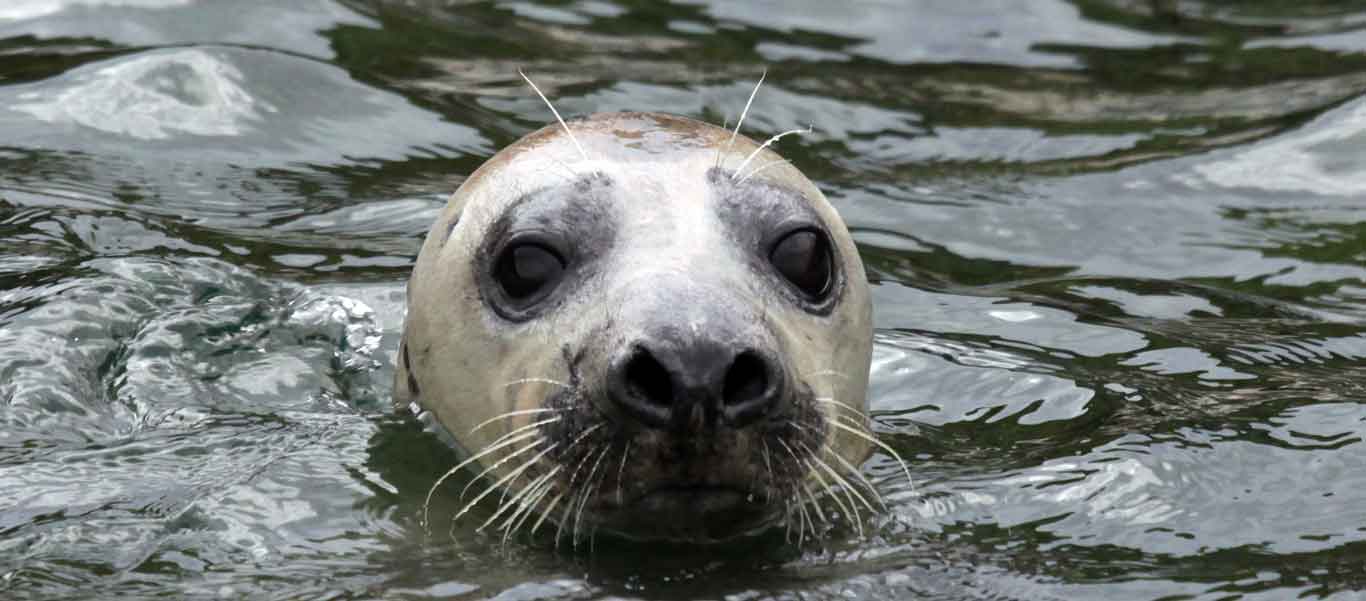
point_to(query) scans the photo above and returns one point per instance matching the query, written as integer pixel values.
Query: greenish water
(1119, 254)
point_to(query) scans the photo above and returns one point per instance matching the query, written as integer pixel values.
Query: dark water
(1119, 250)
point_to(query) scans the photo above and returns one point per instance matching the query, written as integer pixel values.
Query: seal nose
(680, 386)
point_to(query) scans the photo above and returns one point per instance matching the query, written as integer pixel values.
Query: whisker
(841, 405)
(573, 499)
(538, 381)
(548, 509)
(587, 493)
(851, 468)
(805, 519)
(868, 484)
(816, 505)
(485, 423)
(522, 499)
(761, 168)
(531, 506)
(731, 143)
(884, 446)
(768, 143)
(593, 534)
(506, 503)
(504, 480)
(622, 470)
(849, 492)
(805, 487)
(554, 112)
(801, 505)
(569, 489)
(772, 477)
(812, 461)
(426, 505)
(568, 508)
(848, 486)
(489, 469)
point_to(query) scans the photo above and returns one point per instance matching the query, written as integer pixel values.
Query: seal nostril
(747, 379)
(647, 380)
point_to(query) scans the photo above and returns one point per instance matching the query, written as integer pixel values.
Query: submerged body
(648, 327)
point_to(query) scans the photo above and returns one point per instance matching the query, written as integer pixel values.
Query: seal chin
(691, 514)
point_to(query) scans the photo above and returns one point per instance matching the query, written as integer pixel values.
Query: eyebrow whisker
(766, 145)
(556, 113)
(731, 143)
(761, 168)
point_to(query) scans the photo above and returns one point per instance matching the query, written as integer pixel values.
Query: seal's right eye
(523, 270)
(804, 258)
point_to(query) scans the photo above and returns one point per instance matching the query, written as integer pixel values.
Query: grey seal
(644, 324)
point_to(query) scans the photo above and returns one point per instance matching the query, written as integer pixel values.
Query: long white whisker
(520, 499)
(801, 505)
(813, 461)
(766, 144)
(504, 480)
(815, 504)
(761, 168)
(548, 509)
(772, 476)
(853, 469)
(622, 470)
(884, 446)
(489, 469)
(841, 405)
(809, 495)
(538, 381)
(587, 493)
(573, 500)
(569, 503)
(506, 503)
(849, 492)
(509, 414)
(554, 112)
(731, 143)
(426, 505)
(806, 487)
(858, 473)
(805, 520)
(531, 506)
(848, 486)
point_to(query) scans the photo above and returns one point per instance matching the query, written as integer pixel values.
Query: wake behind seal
(643, 324)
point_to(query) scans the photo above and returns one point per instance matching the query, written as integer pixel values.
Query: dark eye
(526, 269)
(803, 257)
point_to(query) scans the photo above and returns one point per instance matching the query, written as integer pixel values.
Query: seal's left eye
(525, 269)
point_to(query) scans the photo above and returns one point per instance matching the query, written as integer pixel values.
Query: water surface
(1118, 252)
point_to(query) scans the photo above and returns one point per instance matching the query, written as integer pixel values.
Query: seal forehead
(645, 135)
(610, 141)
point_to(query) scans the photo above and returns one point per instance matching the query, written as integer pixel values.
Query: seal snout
(684, 383)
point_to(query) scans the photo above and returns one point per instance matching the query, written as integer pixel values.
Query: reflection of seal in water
(639, 324)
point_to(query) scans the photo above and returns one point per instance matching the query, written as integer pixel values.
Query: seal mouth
(695, 497)
(692, 512)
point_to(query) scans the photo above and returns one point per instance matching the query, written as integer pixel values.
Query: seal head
(641, 337)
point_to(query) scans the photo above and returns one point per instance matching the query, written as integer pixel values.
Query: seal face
(640, 336)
